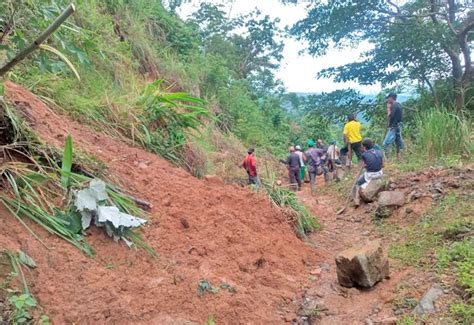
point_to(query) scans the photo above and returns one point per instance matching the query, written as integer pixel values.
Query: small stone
(316, 272)
(184, 222)
(389, 321)
(167, 202)
(142, 165)
(426, 304)
(414, 195)
(391, 198)
(408, 210)
(454, 185)
(213, 179)
(368, 322)
(436, 196)
(365, 233)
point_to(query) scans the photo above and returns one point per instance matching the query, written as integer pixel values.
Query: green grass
(427, 233)
(298, 215)
(441, 134)
(439, 233)
(39, 190)
(463, 311)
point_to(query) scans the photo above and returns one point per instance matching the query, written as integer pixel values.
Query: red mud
(234, 236)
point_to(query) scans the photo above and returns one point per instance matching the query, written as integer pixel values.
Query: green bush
(441, 133)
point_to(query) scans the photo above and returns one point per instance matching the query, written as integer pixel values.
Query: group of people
(316, 160)
(319, 159)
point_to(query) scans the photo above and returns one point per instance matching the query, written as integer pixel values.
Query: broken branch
(36, 44)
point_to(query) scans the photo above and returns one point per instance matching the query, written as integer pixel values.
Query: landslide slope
(234, 236)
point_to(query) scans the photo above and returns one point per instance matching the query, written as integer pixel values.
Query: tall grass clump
(297, 214)
(38, 184)
(441, 134)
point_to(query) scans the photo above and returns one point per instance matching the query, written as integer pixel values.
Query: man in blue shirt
(373, 163)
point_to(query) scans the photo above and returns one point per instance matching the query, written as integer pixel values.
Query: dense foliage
(119, 47)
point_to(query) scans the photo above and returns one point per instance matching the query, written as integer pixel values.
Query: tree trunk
(433, 91)
(458, 87)
(459, 97)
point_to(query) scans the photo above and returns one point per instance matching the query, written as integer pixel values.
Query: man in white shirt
(300, 153)
(333, 156)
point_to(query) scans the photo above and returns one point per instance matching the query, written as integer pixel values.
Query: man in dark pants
(352, 138)
(314, 164)
(293, 163)
(250, 165)
(395, 114)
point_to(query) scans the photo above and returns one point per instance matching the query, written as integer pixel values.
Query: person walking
(333, 156)
(313, 156)
(250, 165)
(395, 115)
(352, 138)
(294, 166)
(302, 156)
(322, 150)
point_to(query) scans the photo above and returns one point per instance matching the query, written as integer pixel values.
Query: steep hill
(232, 236)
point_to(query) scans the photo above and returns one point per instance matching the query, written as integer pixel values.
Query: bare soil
(234, 236)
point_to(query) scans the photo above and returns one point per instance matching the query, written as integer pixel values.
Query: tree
(423, 40)
(250, 42)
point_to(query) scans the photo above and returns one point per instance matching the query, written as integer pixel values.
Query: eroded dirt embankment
(234, 236)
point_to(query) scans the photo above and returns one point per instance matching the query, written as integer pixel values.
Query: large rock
(391, 198)
(362, 266)
(369, 193)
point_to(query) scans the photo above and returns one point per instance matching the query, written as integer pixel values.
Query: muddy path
(382, 304)
(332, 303)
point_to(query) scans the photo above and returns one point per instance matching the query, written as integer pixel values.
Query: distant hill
(401, 97)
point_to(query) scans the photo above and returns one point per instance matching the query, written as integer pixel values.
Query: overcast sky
(298, 72)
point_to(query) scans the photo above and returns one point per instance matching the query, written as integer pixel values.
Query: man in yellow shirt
(352, 137)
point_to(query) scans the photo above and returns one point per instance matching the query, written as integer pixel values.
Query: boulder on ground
(369, 193)
(362, 266)
(391, 198)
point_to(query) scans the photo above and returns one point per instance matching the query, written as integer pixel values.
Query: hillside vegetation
(127, 52)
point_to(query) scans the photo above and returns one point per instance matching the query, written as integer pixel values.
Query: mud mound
(234, 236)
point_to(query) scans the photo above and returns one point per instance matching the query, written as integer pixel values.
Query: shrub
(441, 133)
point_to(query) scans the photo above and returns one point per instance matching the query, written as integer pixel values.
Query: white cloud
(298, 72)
